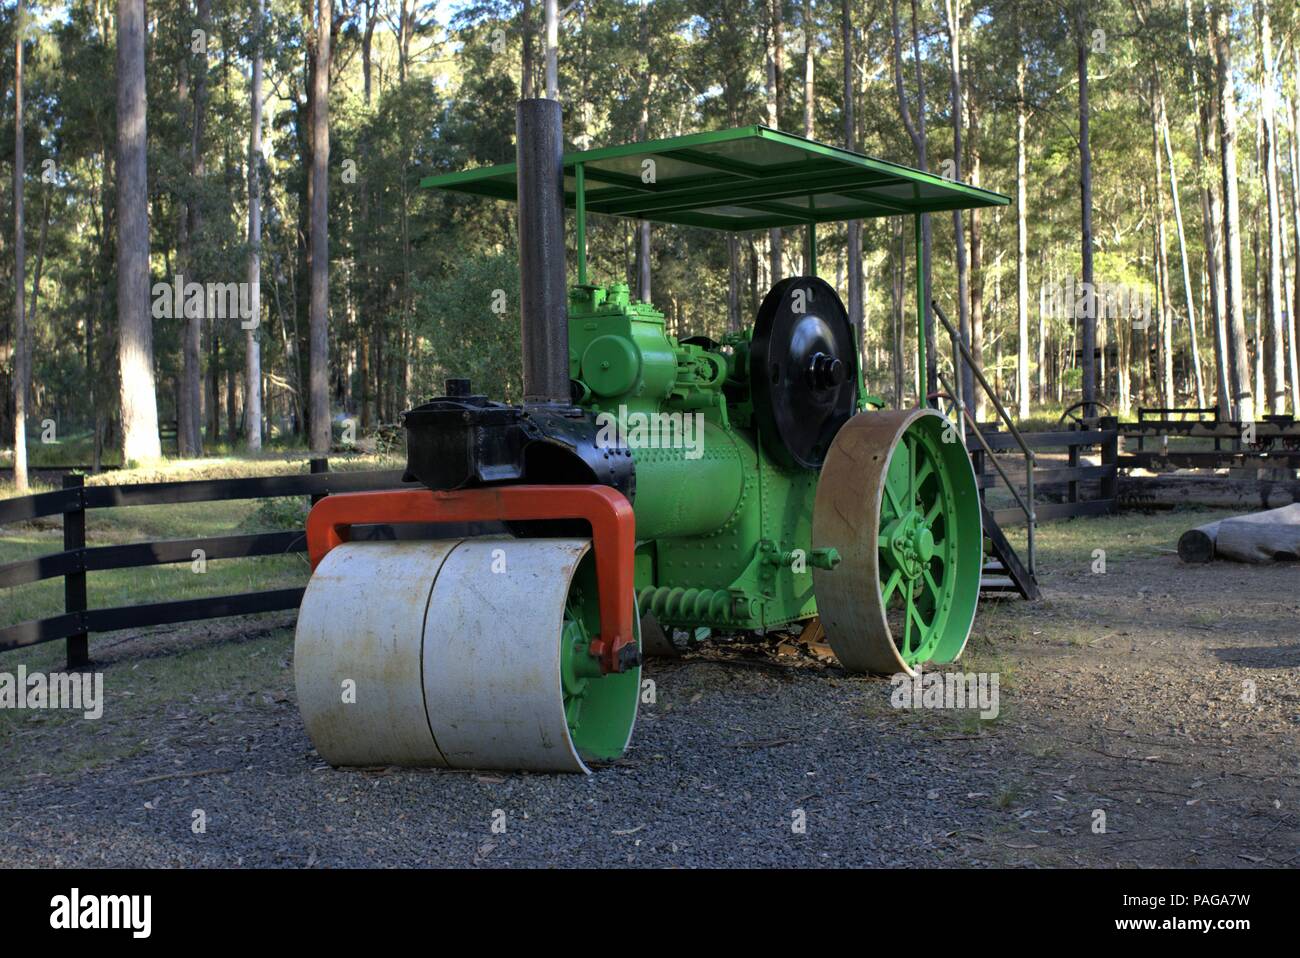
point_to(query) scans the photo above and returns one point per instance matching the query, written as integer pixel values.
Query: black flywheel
(803, 370)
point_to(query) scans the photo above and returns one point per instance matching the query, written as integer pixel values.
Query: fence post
(318, 466)
(1110, 457)
(1072, 459)
(74, 583)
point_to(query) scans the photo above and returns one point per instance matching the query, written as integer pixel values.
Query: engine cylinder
(688, 488)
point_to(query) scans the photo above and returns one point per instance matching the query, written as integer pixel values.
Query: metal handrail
(979, 374)
(960, 351)
(987, 448)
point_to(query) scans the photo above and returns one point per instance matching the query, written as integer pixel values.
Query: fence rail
(77, 559)
(1269, 443)
(1105, 438)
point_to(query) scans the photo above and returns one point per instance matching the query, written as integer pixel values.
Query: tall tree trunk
(1274, 368)
(916, 132)
(188, 403)
(232, 405)
(809, 88)
(952, 22)
(1083, 41)
(853, 239)
(1210, 217)
(1293, 355)
(552, 50)
(1294, 331)
(1212, 214)
(1236, 323)
(1165, 313)
(319, 317)
(1257, 305)
(212, 379)
(976, 254)
(1182, 252)
(809, 101)
(1022, 245)
(643, 133)
(192, 365)
(22, 372)
(135, 326)
(733, 283)
(774, 60)
(367, 43)
(252, 332)
(36, 276)
(1041, 364)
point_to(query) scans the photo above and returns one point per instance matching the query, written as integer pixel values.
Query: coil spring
(676, 603)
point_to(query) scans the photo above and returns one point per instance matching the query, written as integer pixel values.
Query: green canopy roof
(748, 178)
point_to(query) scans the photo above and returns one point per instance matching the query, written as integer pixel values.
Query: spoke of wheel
(924, 472)
(933, 513)
(921, 623)
(911, 469)
(890, 585)
(907, 615)
(893, 499)
(934, 587)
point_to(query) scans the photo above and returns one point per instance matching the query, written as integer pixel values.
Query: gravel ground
(1121, 694)
(719, 766)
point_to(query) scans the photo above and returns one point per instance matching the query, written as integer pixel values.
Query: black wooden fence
(1105, 438)
(77, 559)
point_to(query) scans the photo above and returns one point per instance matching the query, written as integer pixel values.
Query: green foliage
(429, 88)
(287, 512)
(468, 323)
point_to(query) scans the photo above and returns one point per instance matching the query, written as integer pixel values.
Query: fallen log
(1220, 492)
(1268, 536)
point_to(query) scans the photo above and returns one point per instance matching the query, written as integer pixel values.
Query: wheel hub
(908, 544)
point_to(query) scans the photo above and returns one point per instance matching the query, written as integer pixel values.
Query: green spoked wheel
(897, 499)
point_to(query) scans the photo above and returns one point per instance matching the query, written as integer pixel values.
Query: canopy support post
(811, 269)
(581, 212)
(921, 391)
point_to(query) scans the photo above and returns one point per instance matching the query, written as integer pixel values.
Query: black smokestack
(544, 310)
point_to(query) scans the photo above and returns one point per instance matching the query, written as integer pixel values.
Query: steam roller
(744, 484)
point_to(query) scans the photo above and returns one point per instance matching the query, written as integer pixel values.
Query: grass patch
(154, 583)
(218, 682)
(1067, 545)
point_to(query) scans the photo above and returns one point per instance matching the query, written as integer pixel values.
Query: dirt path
(1168, 697)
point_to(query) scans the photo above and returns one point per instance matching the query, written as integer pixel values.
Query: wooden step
(1008, 572)
(998, 583)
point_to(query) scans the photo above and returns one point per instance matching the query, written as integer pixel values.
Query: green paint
(741, 179)
(922, 387)
(712, 509)
(725, 532)
(580, 191)
(929, 540)
(600, 709)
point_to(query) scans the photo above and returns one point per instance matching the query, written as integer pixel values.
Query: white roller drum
(492, 665)
(357, 653)
(457, 654)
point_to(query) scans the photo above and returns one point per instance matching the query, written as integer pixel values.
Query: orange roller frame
(613, 534)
